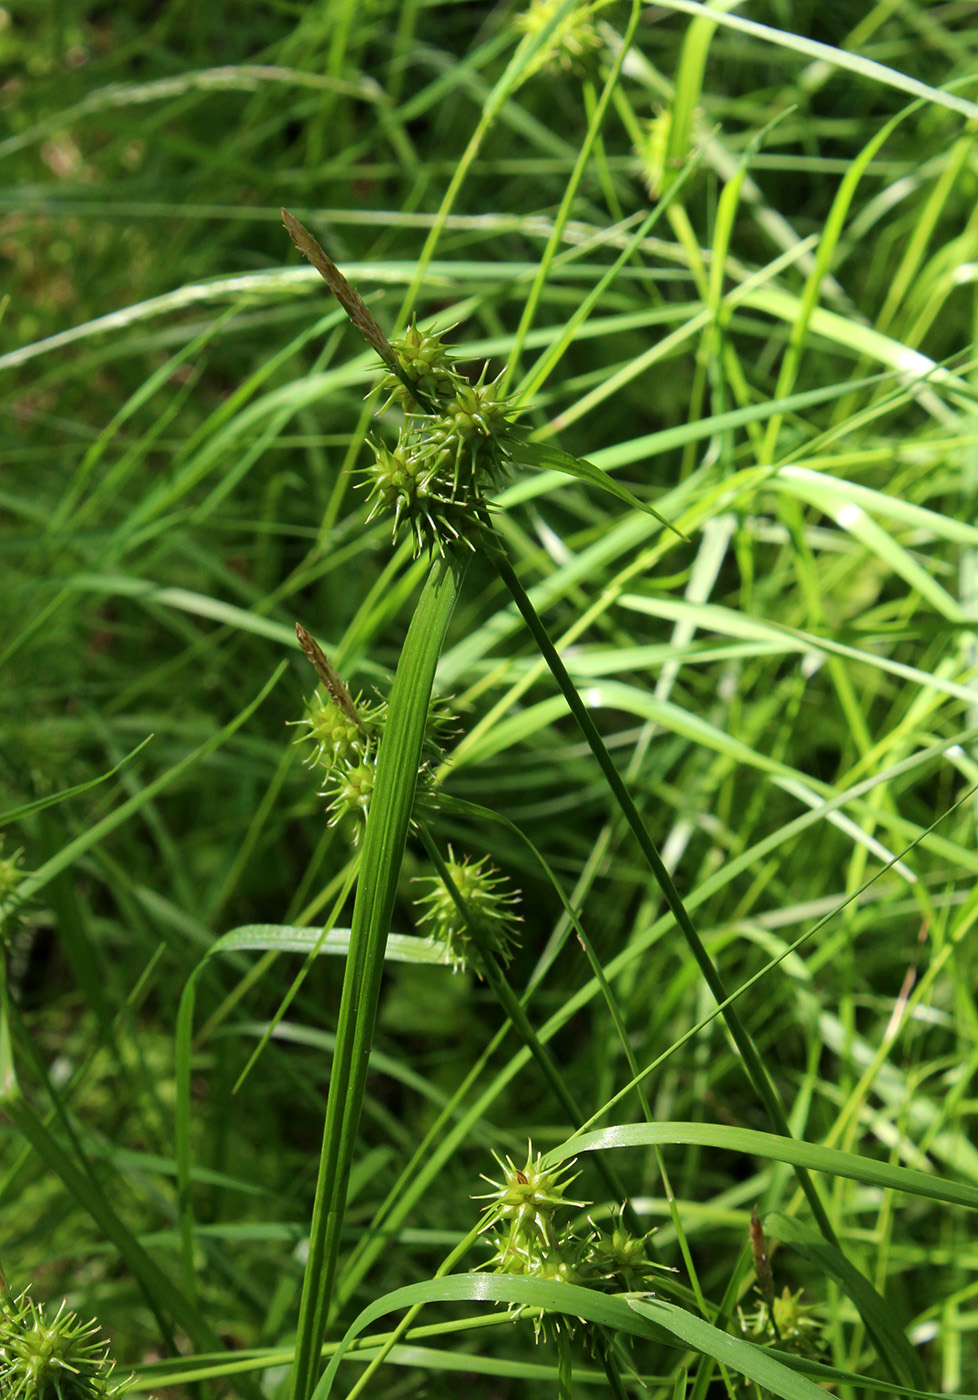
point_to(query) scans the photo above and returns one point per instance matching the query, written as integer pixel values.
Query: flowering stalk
(345, 734)
(453, 447)
(779, 1319)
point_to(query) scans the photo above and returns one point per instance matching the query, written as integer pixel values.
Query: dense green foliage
(730, 260)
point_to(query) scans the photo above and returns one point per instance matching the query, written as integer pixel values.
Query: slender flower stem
(753, 1063)
(514, 1009)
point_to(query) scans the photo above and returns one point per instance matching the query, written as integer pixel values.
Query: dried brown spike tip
(337, 690)
(761, 1256)
(351, 301)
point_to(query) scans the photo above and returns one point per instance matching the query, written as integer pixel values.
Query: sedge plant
(458, 442)
(776, 345)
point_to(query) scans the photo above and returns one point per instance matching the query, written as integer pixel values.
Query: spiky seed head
(574, 40)
(451, 449)
(334, 736)
(489, 902)
(350, 792)
(52, 1358)
(11, 873)
(617, 1260)
(794, 1319)
(528, 1196)
(425, 361)
(555, 1261)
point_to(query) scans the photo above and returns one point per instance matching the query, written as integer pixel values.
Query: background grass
(782, 366)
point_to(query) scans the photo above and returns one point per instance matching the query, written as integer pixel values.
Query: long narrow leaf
(383, 848)
(776, 1149)
(549, 458)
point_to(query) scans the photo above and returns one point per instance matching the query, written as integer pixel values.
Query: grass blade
(383, 847)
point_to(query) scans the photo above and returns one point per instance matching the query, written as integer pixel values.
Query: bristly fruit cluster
(574, 42)
(57, 1358)
(525, 1238)
(460, 439)
(450, 450)
(779, 1319)
(345, 733)
(11, 872)
(488, 901)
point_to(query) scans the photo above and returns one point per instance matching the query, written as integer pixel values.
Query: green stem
(603, 1347)
(565, 1366)
(521, 1023)
(398, 761)
(753, 1063)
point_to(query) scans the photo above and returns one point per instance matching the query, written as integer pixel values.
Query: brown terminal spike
(350, 300)
(338, 692)
(762, 1258)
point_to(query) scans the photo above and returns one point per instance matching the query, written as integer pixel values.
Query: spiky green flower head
(488, 900)
(11, 872)
(402, 483)
(448, 455)
(427, 362)
(796, 1322)
(618, 1261)
(350, 792)
(439, 727)
(528, 1197)
(513, 1252)
(58, 1358)
(785, 1322)
(658, 171)
(335, 736)
(574, 41)
(516, 1253)
(463, 440)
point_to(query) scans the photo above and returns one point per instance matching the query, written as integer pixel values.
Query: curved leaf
(640, 1316)
(565, 1298)
(549, 458)
(777, 1149)
(287, 938)
(752, 1361)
